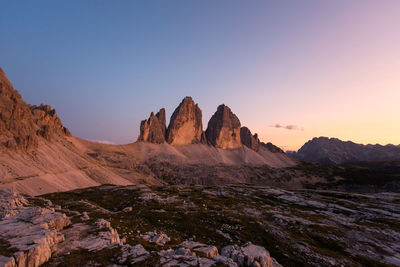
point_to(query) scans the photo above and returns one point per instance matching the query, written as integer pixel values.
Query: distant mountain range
(335, 151)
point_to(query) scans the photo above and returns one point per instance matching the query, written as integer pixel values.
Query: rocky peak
(186, 125)
(153, 129)
(249, 140)
(223, 129)
(48, 122)
(21, 124)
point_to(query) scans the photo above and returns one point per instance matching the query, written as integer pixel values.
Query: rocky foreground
(236, 225)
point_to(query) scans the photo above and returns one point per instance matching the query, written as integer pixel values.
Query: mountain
(334, 151)
(38, 154)
(23, 125)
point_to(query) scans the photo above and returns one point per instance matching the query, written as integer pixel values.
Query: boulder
(153, 129)
(186, 125)
(154, 237)
(223, 130)
(249, 255)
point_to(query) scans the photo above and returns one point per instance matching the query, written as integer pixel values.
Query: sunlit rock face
(22, 124)
(48, 122)
(17, 129)
(153, 130)
(186, 125)
(223, 129)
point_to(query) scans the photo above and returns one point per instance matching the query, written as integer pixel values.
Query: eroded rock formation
(20, 124)
(249, 140)
(252, 141)
(48, 122)
(186, 125)
(223, 129)
(153, 130)
(17, 128)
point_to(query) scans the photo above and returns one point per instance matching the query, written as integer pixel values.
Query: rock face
(48, 122)
(334, 151)
(249, 140)
(223, 130)
(153, 130)
(31, 233)
(186, 125)
(20, 124)
(17, 129)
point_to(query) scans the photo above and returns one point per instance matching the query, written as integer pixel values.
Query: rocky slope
(334, 151)
(93, 237)
(39, 155)
(230, 225)
(185, 126)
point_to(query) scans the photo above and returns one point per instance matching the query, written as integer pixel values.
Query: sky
(290, 70)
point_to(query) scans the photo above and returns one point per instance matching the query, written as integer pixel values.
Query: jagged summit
(153, 129)
(22, 124)
(185, 126)
(223, 129)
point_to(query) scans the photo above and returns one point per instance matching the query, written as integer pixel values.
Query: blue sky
(105, 65)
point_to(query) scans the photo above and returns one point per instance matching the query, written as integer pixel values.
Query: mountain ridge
(39, 155)
(335, 151)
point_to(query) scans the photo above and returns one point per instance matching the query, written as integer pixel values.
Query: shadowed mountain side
(334, 151)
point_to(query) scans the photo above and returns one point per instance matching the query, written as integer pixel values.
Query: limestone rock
(17, 129)
(153, 237)
(33, 232)
(223, 129)
(48, 122)
(153, 130)
(249, 140)
(186, 125)
(133, 254)
(249, 255)
(22, 124)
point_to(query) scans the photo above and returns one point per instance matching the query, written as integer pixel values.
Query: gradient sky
(325, 68)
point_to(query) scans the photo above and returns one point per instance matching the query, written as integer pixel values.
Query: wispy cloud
(103, 142)
(288, 127)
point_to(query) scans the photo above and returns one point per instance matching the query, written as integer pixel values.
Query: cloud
(288, 127)
(102, 142)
